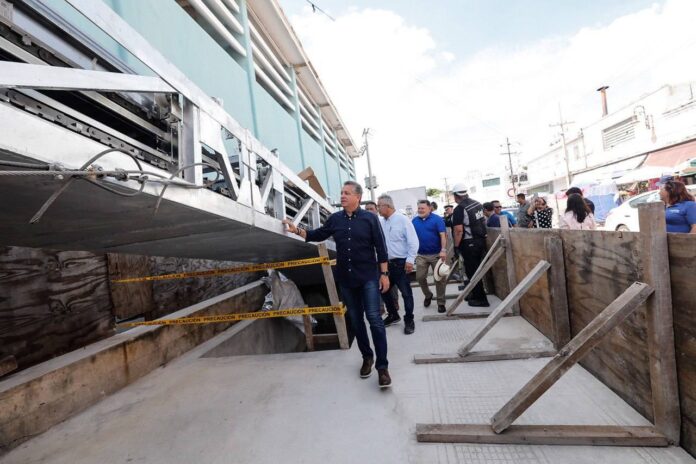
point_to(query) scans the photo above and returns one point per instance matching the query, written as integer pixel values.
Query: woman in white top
(578, 215)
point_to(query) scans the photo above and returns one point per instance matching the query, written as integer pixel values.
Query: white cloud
(434, 114)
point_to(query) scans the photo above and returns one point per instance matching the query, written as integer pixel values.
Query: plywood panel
(51, 302)
(599, 267)
(130, 299)
(528, 249)
(682, 260)
(172, 295)
(498, 271)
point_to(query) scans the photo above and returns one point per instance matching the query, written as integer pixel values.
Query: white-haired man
(402, 244)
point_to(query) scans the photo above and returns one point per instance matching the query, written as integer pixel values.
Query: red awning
(672, 156)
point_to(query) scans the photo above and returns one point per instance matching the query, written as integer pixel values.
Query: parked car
(625, 217)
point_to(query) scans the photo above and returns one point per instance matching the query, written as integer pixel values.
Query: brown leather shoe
(366, 369)
(384, 379)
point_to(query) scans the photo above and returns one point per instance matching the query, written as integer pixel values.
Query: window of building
(619, 133)
(490, 182)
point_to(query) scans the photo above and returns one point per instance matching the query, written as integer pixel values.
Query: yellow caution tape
(229, 270)
(241, 316)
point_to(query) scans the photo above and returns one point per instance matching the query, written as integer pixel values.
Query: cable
(37, 217)
(88, 173)
(178, 171)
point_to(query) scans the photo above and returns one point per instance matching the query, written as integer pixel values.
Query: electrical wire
(88, 172)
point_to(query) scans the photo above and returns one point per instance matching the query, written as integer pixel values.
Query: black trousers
(473, 251)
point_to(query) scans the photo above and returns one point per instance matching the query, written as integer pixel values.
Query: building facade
(635, 135)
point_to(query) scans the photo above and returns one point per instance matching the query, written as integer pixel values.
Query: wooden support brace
(578, 347)
(480, 356)
(485, 266)
(560, 316)
(663, 367)
(509, 259)
(603, 435)
(309, 333)
(339, 319)
(471, 315)
(506, 304)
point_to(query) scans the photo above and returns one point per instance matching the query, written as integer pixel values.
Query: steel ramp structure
(223, 193)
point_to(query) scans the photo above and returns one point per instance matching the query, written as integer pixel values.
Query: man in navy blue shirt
(361, 272)
(492, 219)
(432, 247)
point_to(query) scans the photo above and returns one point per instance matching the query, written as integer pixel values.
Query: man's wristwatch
(385, 273)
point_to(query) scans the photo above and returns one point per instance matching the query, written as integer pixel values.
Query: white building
(655, 130)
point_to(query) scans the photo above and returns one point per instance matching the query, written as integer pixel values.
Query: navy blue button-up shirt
(360, 245)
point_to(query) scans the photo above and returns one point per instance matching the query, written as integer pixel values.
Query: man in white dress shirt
(402, 245)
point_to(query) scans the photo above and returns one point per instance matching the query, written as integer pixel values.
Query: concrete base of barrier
(33, 400)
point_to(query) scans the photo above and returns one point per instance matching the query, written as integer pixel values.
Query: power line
(315, 8)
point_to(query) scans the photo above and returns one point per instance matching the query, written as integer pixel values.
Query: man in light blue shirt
(402, 246)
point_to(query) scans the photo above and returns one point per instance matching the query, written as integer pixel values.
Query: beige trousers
(423, 264)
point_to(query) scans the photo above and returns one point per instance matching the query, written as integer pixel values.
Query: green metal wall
(185, 44)
(313, 157)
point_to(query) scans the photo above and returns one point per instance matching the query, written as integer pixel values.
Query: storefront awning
(607, 171)
(672, 156)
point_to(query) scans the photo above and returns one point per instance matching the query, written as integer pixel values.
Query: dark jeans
(473, 251)
(363, 302)
(399, 279)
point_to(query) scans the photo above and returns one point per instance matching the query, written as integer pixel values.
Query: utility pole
(512, 173)
(446, 191)
(371, 183)
(562, 124)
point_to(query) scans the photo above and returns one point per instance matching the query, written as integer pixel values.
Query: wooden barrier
(568, 356)
(598, 266)
(464, 353)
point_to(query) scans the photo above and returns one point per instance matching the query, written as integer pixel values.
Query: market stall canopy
(644, 173)
(687, 167)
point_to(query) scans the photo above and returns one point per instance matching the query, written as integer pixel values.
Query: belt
(397, 259)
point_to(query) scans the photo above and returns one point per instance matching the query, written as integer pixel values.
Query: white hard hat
(459, 188)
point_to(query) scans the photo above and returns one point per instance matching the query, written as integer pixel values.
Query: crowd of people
(535, 213)
(378, 247)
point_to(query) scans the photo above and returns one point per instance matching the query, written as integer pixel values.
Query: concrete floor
(313, 408)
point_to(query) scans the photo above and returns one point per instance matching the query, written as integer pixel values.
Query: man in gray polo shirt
(522, 216)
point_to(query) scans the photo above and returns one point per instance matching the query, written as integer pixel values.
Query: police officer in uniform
(469, 229)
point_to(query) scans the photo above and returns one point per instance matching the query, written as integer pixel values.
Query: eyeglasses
(498, 207)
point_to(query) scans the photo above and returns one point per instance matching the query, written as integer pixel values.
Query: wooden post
(663, 366)
(507, 303)
(560, 318)
(578, 347)
(478, 275)
(339, 319)
(509, 259)
(309, 333)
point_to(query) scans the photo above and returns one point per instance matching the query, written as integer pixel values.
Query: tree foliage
(433, 192)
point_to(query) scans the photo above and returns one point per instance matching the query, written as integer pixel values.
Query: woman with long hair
(680, 213)
(578, 215)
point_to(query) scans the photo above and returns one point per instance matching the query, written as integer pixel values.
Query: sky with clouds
(441, 84)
